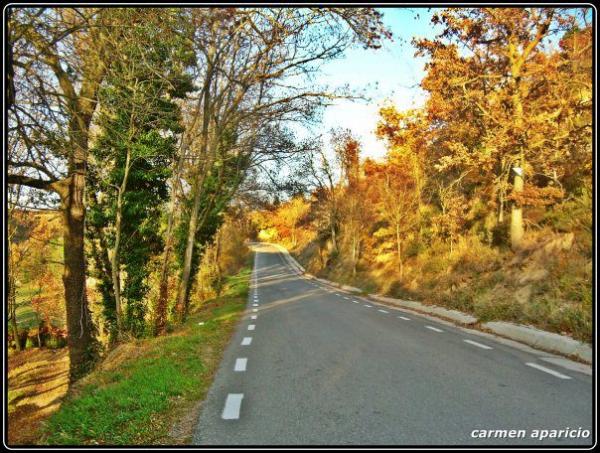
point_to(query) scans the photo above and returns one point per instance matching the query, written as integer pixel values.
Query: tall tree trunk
(116, 251)
(398, 247)
(15, 331)
(399, 251)
(160, 315)
(81, 338)
(516, 217)
(217, 264)
(516, 220)
(160, 312)
(184, 284)
(333, 234)
(183, 294)
(354, 255)
(12, 307)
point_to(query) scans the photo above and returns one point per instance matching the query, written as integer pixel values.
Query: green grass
(26, 317)
(137, 402)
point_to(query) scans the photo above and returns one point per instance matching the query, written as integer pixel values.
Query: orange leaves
(537, 196)
(404, 131)
(347, 149)
(48, 302)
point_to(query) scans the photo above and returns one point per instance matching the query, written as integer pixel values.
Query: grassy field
(148, 391)
(26, 289)
(26, 317)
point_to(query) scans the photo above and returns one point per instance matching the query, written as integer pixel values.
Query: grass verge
(143, 388)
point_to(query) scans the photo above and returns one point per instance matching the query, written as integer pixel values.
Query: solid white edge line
(233, 404)
(240, 364)
(246, 341)
(479, 345)
(547, 370)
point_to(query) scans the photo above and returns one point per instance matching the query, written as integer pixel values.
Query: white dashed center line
(404, 317)
(479, 345)
(356, 302)
(255, 305)
(547, 370)
(246, 341)
(233, 403)
(253, 317)
(251, 327)
(435, 329)
(255, 310)
(347, 298)
(240, 364)
(368, 306)
(382, 311)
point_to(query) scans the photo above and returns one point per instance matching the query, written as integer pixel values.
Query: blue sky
(390, 74)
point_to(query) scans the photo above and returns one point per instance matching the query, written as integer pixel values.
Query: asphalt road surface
(311, 365)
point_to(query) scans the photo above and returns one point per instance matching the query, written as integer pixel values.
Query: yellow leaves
(293, 212)
(384, 258)
(399, 129)
(383, 232)
(268, 234)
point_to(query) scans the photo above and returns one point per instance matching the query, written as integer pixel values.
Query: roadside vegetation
(147, 391)
(483, 202)
(142, 146)
(145, 146)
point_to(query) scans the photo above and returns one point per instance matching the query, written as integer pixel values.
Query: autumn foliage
(469, 207)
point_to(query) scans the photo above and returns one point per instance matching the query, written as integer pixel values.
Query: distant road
(312, 365)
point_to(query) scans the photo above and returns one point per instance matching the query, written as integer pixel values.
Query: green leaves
(139, 121)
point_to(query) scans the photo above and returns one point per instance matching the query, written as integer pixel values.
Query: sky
(390, 74)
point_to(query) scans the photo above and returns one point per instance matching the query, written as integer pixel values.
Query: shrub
(55, 342)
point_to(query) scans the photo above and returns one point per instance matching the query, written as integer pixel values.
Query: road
(310, 365)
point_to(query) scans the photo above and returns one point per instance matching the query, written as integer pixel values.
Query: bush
(31, 343)
(56, 342)
(501, 234)
(475, 257)
(414, 248)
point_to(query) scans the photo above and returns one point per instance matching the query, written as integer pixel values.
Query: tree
(326, 193)
(249, 56)
(490, 105)
(401, 180)
(353, 218)
(397, 197)
(59, 60)
(139, 121)
(291, 214)
(18, 251)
